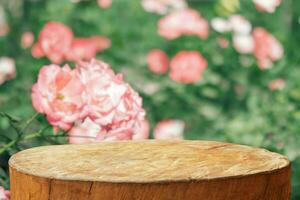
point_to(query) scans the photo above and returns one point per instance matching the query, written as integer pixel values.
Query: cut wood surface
(149, 170)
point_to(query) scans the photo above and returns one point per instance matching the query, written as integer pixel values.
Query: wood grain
(149, 170)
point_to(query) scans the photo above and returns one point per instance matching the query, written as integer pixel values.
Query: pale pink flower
(86, 48)
(54, 42)
(187, 67)
(84, 132)
(183, 22)
(163, 6)
(220, 25)
(104, 3)
(240, 25)
(169, 129)
(141, 130)
(111, 102)
(59, 94)
(27, 40)
(267, 48)
(266, 5)
(7, 69)
(243, 43)
(90, 132)
(158, 61)
(4, 194)
(276, 84)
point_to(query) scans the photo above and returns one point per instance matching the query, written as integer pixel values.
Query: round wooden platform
(149, 170)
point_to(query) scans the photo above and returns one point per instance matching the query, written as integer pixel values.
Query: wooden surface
(149, 170)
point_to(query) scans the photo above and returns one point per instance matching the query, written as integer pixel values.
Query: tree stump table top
(146, 161)
(155, 170)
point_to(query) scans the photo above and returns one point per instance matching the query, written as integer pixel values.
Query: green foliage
(231, 103)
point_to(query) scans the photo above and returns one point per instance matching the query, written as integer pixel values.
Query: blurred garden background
(242, 95)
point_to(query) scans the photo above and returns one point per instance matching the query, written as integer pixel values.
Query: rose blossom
(54, 41)
(89, 132)
(111, 102)
(7, 69)
(187, 67)
(267, 48)
(266, 5)
(220, 25)
(243, 43)
(90, 101)
(183, 22)
(104, 3)
(4, 194)
(240, 25)
(59, 94)
(27, 40)
(277, 84)
(86, 48)
(162, 6)
(169, 129)
(158, 61)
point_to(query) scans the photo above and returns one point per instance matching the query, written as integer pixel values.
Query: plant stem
(28, 122)
(7, 146)
(32, 135)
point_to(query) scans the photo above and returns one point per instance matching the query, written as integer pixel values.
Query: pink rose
(141, 130)
(267, 48)
(169, 129)
(158, 61)
(104, 3)
(4, 194)
(187, 67)
(7, 69)
(59, 94)
(163, 6)
(54, 42)
(183, 22)
(27, 40)
(90, 101)
(266, 5)
(112, 103)
(243, 43)
(90, 132)
(277, 84)
(86, 48)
